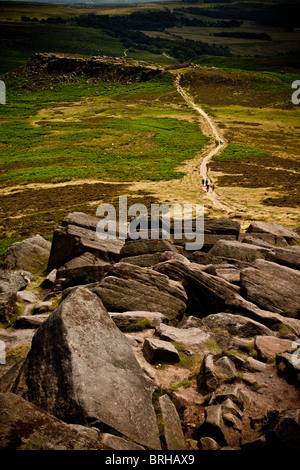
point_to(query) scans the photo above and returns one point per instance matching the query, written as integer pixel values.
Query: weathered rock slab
(69, 277)
(274, 229)
(30, 255)
(289, 257)
(172, 426)
(27, 296)
(195, 338)
(273, 287)
(128, 288)
(238, 250)
(145, 246)
(112, 442)
(236, 324)
(30, 321)
(81, 219)
(82, 368)
(157, 350)
(270, 346)
(24, 426)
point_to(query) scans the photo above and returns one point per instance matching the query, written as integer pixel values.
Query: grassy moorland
(95, 130)
(82, 132)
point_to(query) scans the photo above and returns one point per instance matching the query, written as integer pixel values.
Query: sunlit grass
(86, 130)
(234, 152)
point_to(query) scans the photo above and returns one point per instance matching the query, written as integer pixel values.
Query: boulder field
(125, 344)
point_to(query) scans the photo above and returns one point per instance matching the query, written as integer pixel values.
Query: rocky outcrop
(62, 68)
(289, 257)
(214, 333)
(239, 251)
(86, 274)
(214, 230)
(141, 247)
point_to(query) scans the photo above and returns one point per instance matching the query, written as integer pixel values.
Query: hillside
(77, 132)
(147, 340)
(238, 34)
(143, 344)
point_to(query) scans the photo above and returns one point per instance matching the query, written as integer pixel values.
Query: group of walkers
(207, 184)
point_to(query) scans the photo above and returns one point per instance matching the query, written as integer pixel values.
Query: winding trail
(219, 144)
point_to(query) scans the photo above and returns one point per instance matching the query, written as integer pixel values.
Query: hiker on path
(206, 182)
(213, 187)
(203, 181)
(207, 187)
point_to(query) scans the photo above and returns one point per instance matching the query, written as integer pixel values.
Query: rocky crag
(45, 69)
(139, 344)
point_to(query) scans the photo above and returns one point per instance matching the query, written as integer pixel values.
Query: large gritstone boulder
(82, 370)
(31, 254)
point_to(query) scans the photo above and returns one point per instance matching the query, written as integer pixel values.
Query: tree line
(129, 28)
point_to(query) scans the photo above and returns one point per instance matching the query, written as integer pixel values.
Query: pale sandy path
(212, 195)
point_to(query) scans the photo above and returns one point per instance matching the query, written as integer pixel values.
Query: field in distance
(249, 35)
